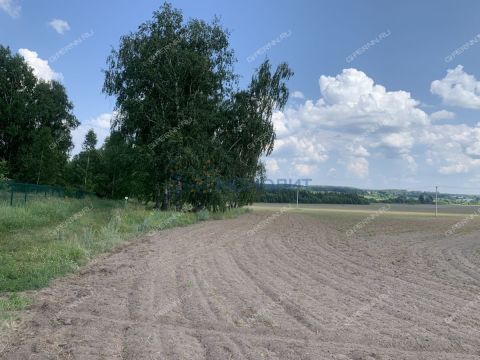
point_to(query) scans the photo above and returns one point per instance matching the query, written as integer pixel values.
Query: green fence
(16, 193)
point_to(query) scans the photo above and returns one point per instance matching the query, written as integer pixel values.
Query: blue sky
(401, 112)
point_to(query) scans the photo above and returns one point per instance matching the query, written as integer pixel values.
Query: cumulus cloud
(352, 117)
(271, 165)
(456, 168)
(458, 88)
(11, 7)
(331, 171)
(358, 150)
(100, 124)
(305, 169)
(410, 161)
(453, 149)
(352, 100)
(358, 167)
(442, 115)
(302, 149)
(280, 124)
(59, 25)
(103, 121)
(401, 141)
(40, 67)
(297, 95)
(355, 122)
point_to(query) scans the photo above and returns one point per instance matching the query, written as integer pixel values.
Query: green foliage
(36, 123)
(425, 199)
(90, 141)
(3, 170)
(177, 107)
(181, 124)
(41, 163)
(85, 167)
(285, 195)
(203, 215)
(122, 170)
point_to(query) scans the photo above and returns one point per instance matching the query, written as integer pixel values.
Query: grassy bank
(48, 239)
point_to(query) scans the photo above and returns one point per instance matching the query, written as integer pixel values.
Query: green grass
(43, 241)
(13, 303)
(9, 306)
(36, 213)
(230, 214)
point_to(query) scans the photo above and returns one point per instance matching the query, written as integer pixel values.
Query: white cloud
(351, 100)
(352, 118)
(458, 88)
(302, 149)
(305, 169)
(453, 149)
(297, 95)
(411, 162)
(356, 121)
(401, 141)
(358, 167)
(99, 124)
(442, 115)
(271, 165)
(331, 171)
(358, 150)
(473, 149)
(11, 7)
(103, 121)
(59, 25)
(40, 67)
(280, 124)
(456, 168)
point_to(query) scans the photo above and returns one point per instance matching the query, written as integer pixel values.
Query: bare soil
(290, 286)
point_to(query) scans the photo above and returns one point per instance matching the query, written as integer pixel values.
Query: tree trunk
(40, 168)
(165, 199)
(113, 184)
(157, 196)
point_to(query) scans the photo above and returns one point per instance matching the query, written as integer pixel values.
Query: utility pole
(436, 200)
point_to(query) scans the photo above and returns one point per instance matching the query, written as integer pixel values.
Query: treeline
(182, 125)
(337, 189)
(282, 195)
(35, 123)
(424, 198)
